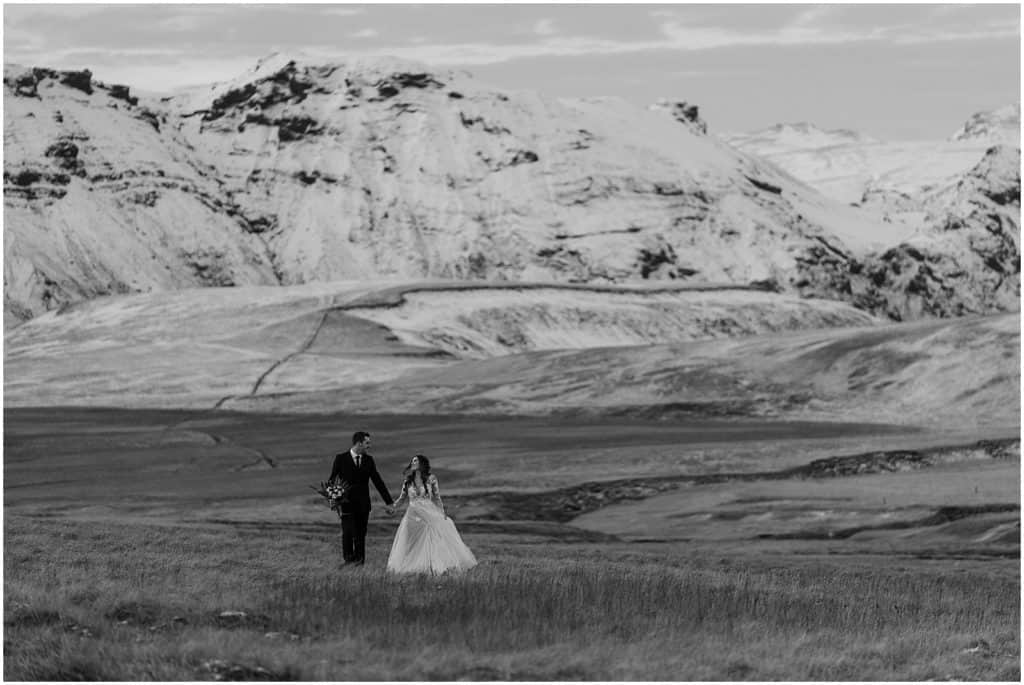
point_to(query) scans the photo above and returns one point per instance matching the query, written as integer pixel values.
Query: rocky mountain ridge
(960, 200)
(299, 172)
(854, 168)
(965, 259)
(997, 126)
(787, 137)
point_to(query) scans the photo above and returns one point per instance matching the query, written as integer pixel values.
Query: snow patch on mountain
(795, 136)
(849, 167)
(487, 323)
(966, 260)
(305, 171)
(998, 126)
(300, 171)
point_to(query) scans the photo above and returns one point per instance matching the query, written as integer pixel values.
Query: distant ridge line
(395, 296)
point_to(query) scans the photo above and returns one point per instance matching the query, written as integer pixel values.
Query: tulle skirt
(427, 542)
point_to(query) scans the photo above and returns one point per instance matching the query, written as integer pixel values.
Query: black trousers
(353, 535)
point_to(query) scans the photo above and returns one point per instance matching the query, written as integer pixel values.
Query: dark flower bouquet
(335, 493)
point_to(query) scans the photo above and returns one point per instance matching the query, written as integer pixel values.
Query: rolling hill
(456, 347)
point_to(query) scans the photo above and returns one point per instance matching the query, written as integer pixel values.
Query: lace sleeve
(435, 492)
(403, 494)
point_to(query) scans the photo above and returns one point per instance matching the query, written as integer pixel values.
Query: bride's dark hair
(424, 470)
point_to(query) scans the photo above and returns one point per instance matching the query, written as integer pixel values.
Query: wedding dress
(426, 541)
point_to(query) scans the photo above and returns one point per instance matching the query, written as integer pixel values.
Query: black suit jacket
(359, 482)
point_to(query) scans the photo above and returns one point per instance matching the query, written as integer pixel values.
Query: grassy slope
(194, 348)
(309, 349)
(906, 373)
(127, 534)
(138, 602)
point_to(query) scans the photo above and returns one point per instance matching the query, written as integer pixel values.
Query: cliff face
(967, 260)
(298, 172)
(100, 197)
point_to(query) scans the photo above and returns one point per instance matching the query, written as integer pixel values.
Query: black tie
(357, 461)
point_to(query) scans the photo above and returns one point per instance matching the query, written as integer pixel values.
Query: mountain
(959, 200)
(964, 260)
(998, 126)
(852, 168)
(298, 172)
(784, 138)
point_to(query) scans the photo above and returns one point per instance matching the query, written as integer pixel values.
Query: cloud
(811, 18)
(988, 33)
(18, 12)
(545, 27)
(183, 23)
(187, 34)
(948, 10)
(343, 11)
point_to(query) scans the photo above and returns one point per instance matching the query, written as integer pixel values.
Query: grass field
(186, 546)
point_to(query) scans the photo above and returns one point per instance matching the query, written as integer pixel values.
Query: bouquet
(335, 493)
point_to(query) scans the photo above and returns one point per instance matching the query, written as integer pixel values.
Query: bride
(426, 541)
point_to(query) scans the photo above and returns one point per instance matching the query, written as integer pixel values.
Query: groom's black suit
(355, 510)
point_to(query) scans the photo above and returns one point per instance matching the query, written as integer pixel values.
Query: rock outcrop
(683, 112)
(966, 262)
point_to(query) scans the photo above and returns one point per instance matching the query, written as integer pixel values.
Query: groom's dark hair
(359, 436)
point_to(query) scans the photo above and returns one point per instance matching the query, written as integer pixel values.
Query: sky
(895, 72)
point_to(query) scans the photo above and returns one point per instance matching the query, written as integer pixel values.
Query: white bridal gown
(426, 541)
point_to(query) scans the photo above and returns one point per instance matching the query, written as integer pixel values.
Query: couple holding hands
(426, 540)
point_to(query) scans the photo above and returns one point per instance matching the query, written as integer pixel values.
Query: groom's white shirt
(355, 458)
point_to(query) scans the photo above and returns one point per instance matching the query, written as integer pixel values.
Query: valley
(705, 407)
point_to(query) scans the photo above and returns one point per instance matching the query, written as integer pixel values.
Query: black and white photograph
(543, 342)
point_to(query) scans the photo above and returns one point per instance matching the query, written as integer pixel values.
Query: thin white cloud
(940, 11)
(805, 30)
(1000, 31)
(183, 23)
(682, 29)
(18, 11)
(72, 57)
(343, 11)
(545, 27)
(811, 18)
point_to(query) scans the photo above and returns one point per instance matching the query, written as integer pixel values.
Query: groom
(356, 467)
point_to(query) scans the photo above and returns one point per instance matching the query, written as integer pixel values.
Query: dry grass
(141, 602)
(120, 567)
